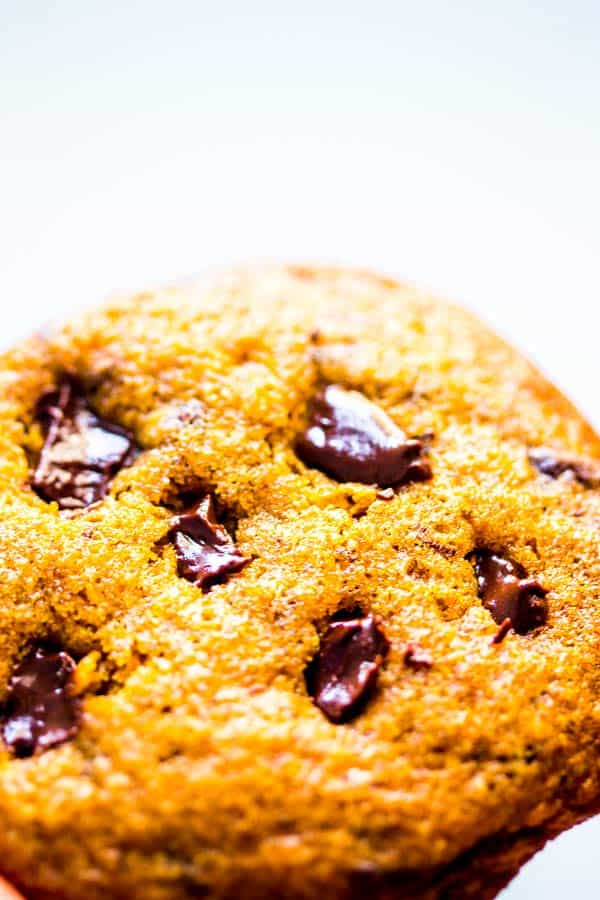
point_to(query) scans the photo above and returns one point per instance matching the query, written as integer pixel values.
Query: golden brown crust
(202, 767)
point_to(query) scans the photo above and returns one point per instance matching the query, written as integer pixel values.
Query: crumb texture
(201, 765)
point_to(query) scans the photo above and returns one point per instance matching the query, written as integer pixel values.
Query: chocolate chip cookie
(300, 597)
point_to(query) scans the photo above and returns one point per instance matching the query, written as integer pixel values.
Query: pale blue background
(456, 145)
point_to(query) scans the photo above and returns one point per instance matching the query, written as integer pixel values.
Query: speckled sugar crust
(202, 765)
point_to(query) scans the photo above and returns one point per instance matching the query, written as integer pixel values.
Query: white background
(453, 144)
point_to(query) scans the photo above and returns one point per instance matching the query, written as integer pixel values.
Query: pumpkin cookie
(299, 597)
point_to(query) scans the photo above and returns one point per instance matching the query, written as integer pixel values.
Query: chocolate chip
(549, 463)
(81, 454)
(205, 551)
(416, 657)
(344, 672)
(508, 593)
(40, 711)
(351, 439)
(505, 627)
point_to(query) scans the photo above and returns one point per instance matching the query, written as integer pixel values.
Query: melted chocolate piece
(508, 593)
(81, 454)
(344, 672)
(205, 551)
(351, 439)
(548, 463)
(505, 627)
(40, 711)
(416, 657)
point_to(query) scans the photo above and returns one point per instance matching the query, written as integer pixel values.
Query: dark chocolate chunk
(206, 554)
(416, 657)
(505, 627)
(40, 711)
(344, 672)
(548, 462)
(508, 593)
(81, 454)
(351, 439)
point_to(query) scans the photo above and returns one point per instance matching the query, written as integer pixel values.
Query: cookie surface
(232, 665)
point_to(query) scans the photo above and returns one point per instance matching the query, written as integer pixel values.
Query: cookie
(300, 593)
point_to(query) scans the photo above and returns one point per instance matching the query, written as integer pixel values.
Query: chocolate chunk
(81, 454)
(505, 627)
(205, 551)
(344, 672)
(549, 463)
(351, 439)
(508, 593)
(40, 711)
(416, 657)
